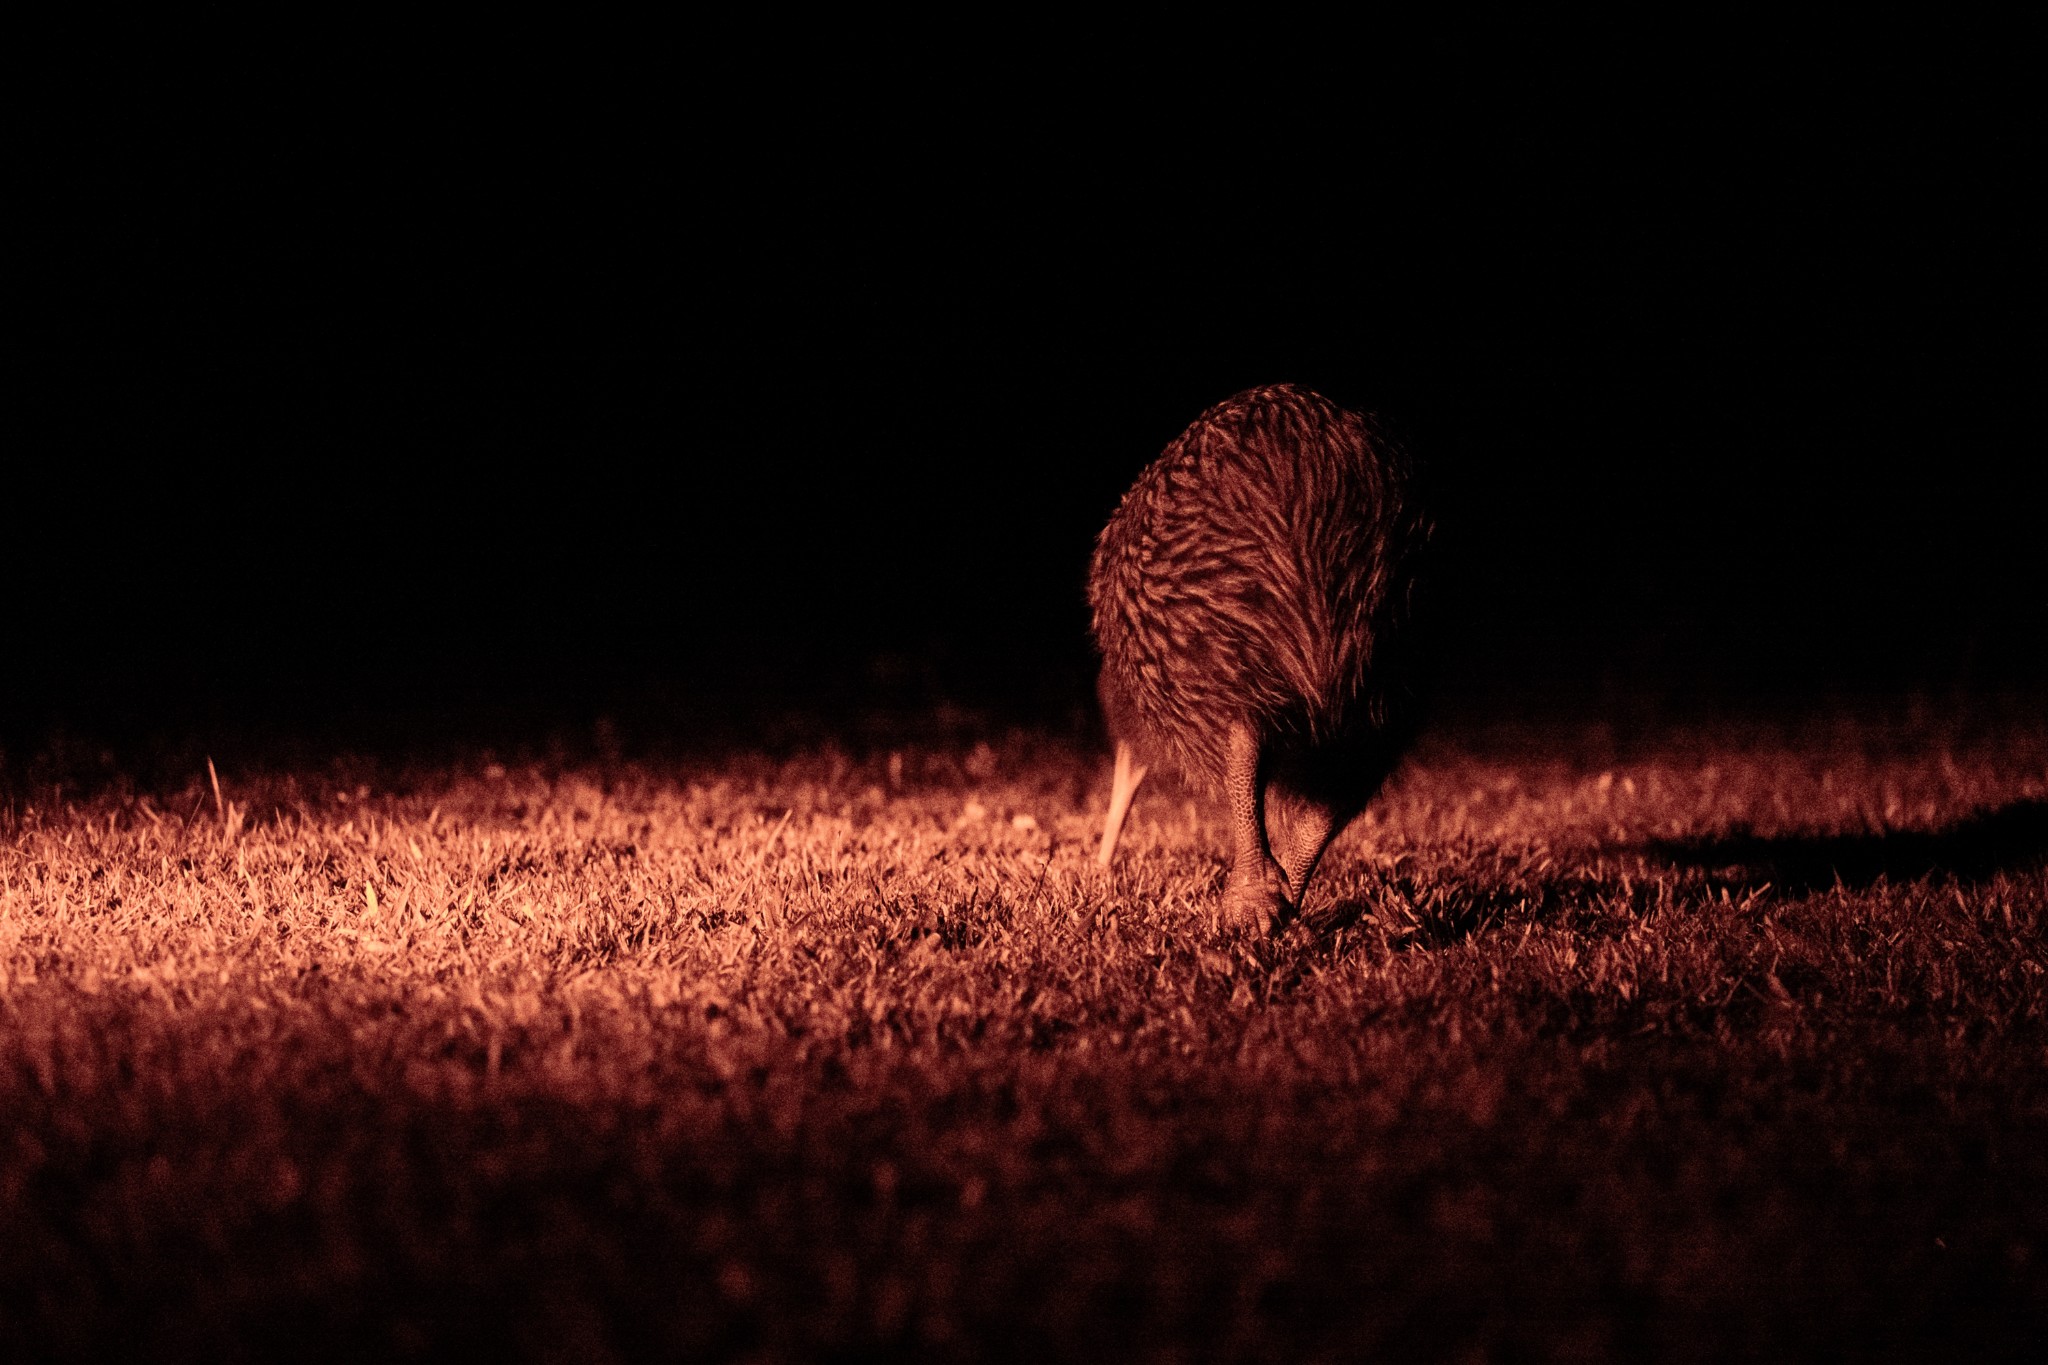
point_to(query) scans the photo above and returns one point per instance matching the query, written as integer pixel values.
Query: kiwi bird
(1251, 598)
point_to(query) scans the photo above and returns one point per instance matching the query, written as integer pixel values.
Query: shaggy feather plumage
(1250, 598)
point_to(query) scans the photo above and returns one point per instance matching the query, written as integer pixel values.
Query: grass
(1729, 1041)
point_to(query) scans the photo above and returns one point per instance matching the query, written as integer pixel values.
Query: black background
(371, 378)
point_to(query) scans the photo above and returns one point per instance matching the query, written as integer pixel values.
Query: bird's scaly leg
(1129, 773)
(1299, 829)
(1252, 895)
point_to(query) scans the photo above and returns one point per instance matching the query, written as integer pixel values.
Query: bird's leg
(1252, 896)
(1301, 829)
(1124, 786)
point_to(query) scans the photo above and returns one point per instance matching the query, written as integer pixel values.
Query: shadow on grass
(1434, 909)
(1436, 906)
(2012, 838)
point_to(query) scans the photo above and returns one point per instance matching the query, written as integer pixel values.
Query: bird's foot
(1255, 900)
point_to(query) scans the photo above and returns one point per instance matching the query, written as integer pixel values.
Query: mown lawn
(1714, 1042)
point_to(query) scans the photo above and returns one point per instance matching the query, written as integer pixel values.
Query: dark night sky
(548, 382)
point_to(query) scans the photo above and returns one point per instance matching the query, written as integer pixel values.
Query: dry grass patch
(1732, 1041)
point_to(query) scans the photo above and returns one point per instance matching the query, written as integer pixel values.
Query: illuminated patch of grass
(1731, 1043)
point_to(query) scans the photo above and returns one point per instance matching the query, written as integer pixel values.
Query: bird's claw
(1255, 901)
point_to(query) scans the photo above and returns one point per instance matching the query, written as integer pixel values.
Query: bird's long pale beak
(1129, 774)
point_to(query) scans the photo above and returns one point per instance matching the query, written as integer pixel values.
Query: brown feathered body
(1254, 589)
